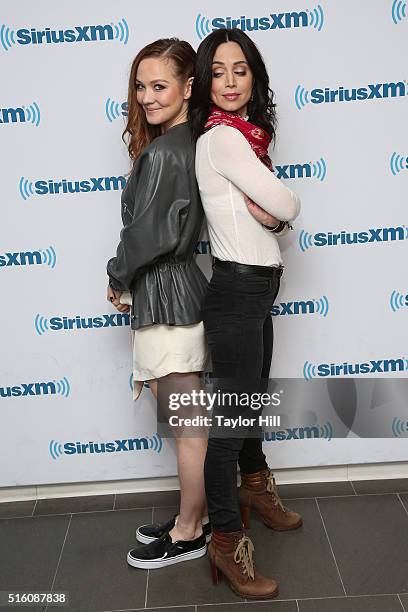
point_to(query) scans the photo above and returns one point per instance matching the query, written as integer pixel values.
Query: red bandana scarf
(258, 139)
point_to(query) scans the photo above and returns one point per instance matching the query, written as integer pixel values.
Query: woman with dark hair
(154, 274)
(233, 117)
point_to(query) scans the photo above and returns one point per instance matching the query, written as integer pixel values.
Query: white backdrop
(61, 108)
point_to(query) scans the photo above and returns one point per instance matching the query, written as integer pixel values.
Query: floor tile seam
(331, 547)
(403, 505)
(223, 603)
(172, 506)
(181, 606)
(300, 599)
(148, 571)
(5, 518)
(60, 557)
(185, 606)
(147, 587)
(351, 596)
(357, 495)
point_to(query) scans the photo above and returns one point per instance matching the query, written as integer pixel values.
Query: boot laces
(243, 554)
(272, 489)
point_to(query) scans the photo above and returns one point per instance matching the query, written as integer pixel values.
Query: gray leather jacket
(162, 216)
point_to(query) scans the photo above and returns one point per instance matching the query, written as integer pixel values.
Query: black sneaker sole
(158, 563)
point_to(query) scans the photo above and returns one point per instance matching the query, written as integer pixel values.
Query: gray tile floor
(351, 554)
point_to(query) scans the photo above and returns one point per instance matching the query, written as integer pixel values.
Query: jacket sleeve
(231, 156)
(160, 192)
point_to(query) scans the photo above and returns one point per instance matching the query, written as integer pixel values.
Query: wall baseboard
(368, 471)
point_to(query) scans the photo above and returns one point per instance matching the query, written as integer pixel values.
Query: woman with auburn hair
(233, 117)
(162, 216)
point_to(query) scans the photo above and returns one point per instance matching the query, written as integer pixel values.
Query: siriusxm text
(12, 115)
(382, 234)
(102, 183)
(87, 33)
(368, 367)
(28, 258)
(273, 21)
(25, 389)
(134, 444)
(78, 322)
(294, 308)
(373, 91)
(291, 433)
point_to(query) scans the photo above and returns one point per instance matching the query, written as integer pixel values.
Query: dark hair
(138, 132)
(261, 110)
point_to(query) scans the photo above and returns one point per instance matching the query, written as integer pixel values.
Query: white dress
(159, 350)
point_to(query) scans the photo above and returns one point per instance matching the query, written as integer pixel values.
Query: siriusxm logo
(203, 247)
(103, 183)
(300, 433)
(114, 109)
(145, 384)
(373, 91)
(21, 114)
(398, 163)
(398, 300)
(48, 257)
(379, 366)
(309, 18)
(315, 170)
(380, 234)
(320, 306)
(399, 427)
(398, 11)
(154, 443)
(52, 387)
(85, 33)
(42, 324)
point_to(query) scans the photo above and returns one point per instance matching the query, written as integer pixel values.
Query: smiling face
(161, 95)
(232, 78)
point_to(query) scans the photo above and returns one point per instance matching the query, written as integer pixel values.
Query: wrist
(276, 228)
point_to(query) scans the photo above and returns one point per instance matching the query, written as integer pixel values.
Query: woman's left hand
(260, 214)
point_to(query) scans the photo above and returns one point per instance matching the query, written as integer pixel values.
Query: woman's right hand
(114, 297)
(260, 214)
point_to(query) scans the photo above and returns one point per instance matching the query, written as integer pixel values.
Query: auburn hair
(138, 133)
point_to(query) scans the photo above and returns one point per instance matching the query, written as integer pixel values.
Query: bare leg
(190, 460)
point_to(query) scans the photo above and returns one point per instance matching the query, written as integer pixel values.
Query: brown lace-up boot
(231, 554)
(258, 492)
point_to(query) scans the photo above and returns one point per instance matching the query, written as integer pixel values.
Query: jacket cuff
(113, 282)
(114, 286)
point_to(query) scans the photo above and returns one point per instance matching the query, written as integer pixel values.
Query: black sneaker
(164, 551)
(149, 533)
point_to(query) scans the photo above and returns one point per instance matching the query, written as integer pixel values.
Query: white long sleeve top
(226, 169)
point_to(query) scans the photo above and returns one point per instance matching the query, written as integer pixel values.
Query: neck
(242, 112)
(180, 118)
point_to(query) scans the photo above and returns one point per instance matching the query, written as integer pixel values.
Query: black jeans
(238, 325)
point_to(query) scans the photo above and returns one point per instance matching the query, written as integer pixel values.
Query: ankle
(186, 531)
